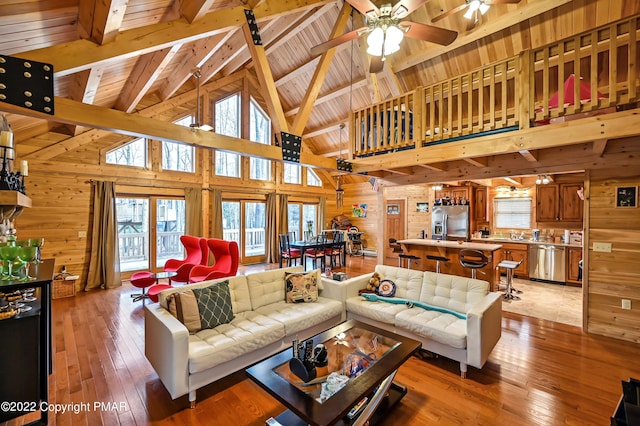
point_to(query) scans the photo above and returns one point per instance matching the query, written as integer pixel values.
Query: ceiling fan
(386, 30)
(475, 8)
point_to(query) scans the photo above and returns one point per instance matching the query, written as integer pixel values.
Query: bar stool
(473, 259)
(439, 260)
(409, 258)
(510, 265)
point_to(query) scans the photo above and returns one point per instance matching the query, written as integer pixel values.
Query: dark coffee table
(371, 356)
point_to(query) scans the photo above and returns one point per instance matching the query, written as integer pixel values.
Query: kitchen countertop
(453, 244)
(494, 240)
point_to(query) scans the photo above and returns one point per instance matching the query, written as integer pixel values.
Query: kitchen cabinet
(516, 252)
(558, 203)
(457, 193)
(574, 255)
(480, 204)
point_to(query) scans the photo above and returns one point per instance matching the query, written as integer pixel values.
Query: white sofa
(263, 325)
(468, 341)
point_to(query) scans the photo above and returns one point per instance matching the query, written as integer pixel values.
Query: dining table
(318, 243)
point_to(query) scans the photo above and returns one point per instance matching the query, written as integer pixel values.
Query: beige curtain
(271, 229)
(322, 212)
(216, 214)
(193, 211)
(104, 263)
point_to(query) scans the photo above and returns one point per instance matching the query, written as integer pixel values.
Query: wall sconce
(437, 187)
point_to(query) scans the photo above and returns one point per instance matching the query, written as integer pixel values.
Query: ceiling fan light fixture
(400, 11)
(394, 36)
(473, 6)
(375, 40)
(483, 8)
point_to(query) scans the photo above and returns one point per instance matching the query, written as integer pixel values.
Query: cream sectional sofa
(468, 341)
(263, 325)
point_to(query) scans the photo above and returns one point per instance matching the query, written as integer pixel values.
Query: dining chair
(336, 249)
(316, 253)
(286, 252)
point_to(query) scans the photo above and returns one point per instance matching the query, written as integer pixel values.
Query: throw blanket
(371, 297)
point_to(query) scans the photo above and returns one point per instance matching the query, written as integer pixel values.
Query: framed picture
(627, 196)
(422, 207)
(393, 209)
(359, 210)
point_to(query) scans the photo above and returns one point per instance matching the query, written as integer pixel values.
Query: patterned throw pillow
(301, 287)
(214, 304)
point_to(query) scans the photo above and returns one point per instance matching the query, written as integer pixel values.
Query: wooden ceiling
(116, 58)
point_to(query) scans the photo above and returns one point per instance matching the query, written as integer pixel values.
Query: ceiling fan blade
(473, 21)
(450, 12)
(365, 7)
(502, 1)
(405, 7)
(429, 33)
(351, 35)
(376, 64)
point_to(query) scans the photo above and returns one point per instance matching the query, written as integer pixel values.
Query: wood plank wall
(613, 276)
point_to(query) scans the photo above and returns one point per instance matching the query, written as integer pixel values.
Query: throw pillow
(301, 287)
(184, 306)
(214, 304)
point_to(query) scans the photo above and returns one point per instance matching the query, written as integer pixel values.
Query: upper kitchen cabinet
(559, 203)
(480, 204)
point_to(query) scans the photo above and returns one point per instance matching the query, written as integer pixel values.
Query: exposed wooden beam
(193, 10)
(515, 181)
(306, 106)
(437, 167)
(477, 161)
(406, 171)
(326, 129)
(529, 155)
(265, 77)
(100, 21)
(146, 71)
(68, 58)
(611, 126)
(496, 24)
(599, 146)
(344, 90)
(77, 113)
(198, 53)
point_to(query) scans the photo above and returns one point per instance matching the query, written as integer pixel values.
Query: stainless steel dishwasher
(547, 262)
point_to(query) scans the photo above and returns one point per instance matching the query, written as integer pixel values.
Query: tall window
(132, 154)
(248, 233)
(293, 216)
(259, 131)
(149, 230)
(312, 178)
(178, 156)
(512, 213)
(292, 173)
(301, 217)
(227, 113)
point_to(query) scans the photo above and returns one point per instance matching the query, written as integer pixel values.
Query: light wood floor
(540, 373)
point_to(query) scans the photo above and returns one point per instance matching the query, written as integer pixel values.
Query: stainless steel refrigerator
(450, 223)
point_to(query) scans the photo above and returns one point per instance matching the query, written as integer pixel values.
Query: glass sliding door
(254, 231)
(293, 216)
(231, 221)
(170, 226)
(149, 231)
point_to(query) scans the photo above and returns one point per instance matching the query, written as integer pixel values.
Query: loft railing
(533, 88)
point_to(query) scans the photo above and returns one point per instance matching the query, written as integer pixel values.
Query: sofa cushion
(247, 332)
(452, 291)
(379, 311)
(437, 326)
(214, 304)
(268, 287)
(238, 287)
(299, 316)
(301, 287)
(408, 281)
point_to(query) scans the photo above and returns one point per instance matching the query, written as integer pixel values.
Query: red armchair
(226, 257)
(197, 254)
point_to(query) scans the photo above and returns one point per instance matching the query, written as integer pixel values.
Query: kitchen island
(451, 249)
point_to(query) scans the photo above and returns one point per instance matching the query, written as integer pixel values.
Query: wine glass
(27, 254)
(9, 253)
(38, 243)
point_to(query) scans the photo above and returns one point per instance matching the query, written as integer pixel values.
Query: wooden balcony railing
(533, 88)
